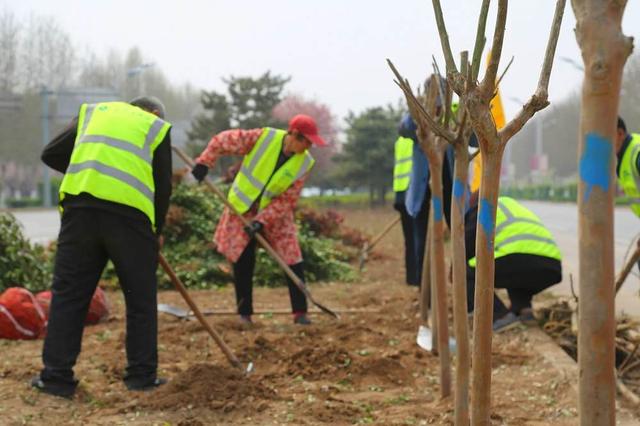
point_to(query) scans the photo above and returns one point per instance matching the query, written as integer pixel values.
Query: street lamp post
(46, 179)
(136, 71)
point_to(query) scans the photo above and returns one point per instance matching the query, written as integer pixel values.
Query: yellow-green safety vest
(403, 163)
(255, 175)
(520, 231)
(113, 154)
(629, 179)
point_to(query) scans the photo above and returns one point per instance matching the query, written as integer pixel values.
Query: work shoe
(301, 319)
(246, 320)
(62, 391)
(506, 322)
(146, 386)
(526, 317)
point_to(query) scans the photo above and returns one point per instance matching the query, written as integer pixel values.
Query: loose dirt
(363, 369)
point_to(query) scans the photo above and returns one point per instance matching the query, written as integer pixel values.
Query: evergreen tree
(367, 156)
(248, 104)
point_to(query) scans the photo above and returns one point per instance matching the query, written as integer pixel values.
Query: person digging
(265, 191)
(114, 196)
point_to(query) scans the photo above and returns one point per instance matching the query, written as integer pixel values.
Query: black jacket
(57, 155)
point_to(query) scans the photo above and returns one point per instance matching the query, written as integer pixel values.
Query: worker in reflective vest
(628, 168)
(527, 260)
(418, 197)
(116, 160)
(403, 151)
(265, 191)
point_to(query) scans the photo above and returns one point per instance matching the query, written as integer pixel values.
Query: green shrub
(21, 264)
(192, 218)
(17, 203)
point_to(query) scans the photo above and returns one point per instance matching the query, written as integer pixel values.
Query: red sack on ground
(98, 309)
(21, 316)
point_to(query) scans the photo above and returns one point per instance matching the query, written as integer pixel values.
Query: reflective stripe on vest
(256, 177)
(403, 151)
(113, 154)
(520, 231)
(629, 178)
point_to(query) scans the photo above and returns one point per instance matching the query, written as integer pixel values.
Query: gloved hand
(199, 172)
(254, 228)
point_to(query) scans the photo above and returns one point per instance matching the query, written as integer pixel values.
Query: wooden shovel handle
(196, 311)
(627, 268)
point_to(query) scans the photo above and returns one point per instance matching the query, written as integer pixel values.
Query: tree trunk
(438, 275)
(485, 267)
(425, 279)
(604, 51)
(382, 191)
(458, 256)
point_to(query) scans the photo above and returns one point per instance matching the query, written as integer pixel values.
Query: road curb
(544, 345)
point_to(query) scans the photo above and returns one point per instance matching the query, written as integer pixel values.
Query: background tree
(328, 128)
(47, 54)
(37, 51)
(9, 32)
(248, 104)
(560, 129)
(366, 159)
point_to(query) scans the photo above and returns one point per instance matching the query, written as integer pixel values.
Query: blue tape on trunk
(595, 162)
(485, 218)
(437, 208)
(458, 188)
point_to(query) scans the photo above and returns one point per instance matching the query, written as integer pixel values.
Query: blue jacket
(418, 183)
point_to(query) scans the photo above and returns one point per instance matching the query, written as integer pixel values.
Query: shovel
(263, 242)
(213, 333)
(424, 339)
(627, 268)
(368, 246)
(185, 314)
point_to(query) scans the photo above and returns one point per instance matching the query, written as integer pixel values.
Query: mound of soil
(210, 386)
(316, 362)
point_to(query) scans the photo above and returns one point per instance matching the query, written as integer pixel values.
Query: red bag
(21, 316)
(98, 309)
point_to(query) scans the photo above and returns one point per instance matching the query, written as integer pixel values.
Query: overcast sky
(334, 50)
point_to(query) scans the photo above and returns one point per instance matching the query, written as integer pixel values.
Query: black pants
(243, 281)
(410, 264)
(523, 276)
(88, 238)
(420, 223)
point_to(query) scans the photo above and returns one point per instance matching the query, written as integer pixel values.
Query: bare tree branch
(487, 87)
(438, 81)
(480, 39)
(538, 100)
(412, 101)
(503, 74)
(444, 38)
(545, 73)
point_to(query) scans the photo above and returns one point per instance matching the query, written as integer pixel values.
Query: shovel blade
(424, 340)
(173, 310)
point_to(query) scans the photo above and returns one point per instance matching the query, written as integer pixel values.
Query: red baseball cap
(308, 127)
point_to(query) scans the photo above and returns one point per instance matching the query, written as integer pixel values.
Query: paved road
(40, 225)
(562, 219)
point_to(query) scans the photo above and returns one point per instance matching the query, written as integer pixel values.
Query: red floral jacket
(277, 218)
